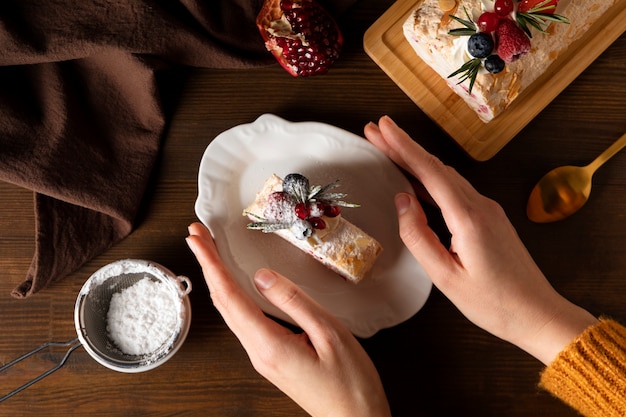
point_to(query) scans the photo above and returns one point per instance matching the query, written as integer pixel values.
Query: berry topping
(297, 185)
(301, 229)
(302, 211)
(301, 35)
(280, 207)
(537, 14)
(278, 197)
(512, 41)
(480, 45)
(488, 22)
(331, 211)
(503, 7)
(503, 31)
(317, 223)
(537, 6)
(299, 207)
(494, 64)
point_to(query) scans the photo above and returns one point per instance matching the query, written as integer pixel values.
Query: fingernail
(264, 279)
(191, 244)
(403, 202)
(390, 120)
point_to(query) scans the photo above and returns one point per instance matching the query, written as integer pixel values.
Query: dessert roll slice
(309, 217)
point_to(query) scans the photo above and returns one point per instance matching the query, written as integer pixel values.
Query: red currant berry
(332, 211)
(503, 7)
(302, 211)
(488, 22)
(317, 223)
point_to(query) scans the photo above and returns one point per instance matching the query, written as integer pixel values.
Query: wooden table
(434, 364)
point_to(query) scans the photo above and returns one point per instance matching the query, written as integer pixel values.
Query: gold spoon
(564, 190)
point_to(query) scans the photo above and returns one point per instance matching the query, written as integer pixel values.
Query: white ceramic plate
(234, 167)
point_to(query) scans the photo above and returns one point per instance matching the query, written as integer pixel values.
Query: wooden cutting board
(384, 42)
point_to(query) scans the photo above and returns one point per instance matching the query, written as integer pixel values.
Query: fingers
(419, 237)
(293, 301)
(239, 311)
(215, 273)
(398, 146)
(451, 192)
(376, 137)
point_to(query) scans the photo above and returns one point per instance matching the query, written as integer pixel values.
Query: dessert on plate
(489, 51)
(309, 217)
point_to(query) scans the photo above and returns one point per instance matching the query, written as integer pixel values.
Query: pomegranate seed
(302, 211)
(332, 211)
(317, 223)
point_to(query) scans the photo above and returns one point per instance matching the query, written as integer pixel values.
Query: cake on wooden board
(428, 31)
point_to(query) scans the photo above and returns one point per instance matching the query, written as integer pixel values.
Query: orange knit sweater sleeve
(590, 373)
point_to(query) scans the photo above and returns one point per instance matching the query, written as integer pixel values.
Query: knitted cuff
(590, 373)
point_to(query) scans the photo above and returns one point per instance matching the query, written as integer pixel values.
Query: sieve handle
(186, 282)
(74, 343)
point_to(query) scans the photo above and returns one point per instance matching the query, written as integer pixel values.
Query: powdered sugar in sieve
(131, 316)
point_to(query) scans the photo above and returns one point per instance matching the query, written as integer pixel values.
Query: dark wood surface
(434, 364)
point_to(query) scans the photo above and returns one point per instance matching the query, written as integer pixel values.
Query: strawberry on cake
(489, 51)
(309, 217)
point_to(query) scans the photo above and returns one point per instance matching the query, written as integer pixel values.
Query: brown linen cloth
(82, 113)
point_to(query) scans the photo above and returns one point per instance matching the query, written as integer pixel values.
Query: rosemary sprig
(469, 29)
(268, 227)
(301, 193)
(323, 194)
(469, 71)
(539, 17)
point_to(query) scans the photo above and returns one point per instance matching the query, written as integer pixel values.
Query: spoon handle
(608, 153)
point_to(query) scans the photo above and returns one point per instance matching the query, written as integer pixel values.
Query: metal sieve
(90, 319)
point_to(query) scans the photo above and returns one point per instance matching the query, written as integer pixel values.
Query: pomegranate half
(303, 37)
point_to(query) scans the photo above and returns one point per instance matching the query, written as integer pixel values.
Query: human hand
(487, 271)
(324, 369)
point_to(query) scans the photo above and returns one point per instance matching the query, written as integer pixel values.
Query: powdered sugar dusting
(143, 317)
(280, 207)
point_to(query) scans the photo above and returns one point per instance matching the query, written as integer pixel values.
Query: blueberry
(297, 185)
(494, 64)
(301, 229)
(480, 45)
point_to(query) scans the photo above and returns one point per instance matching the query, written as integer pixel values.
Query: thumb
(292, 300)
(418, 237)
